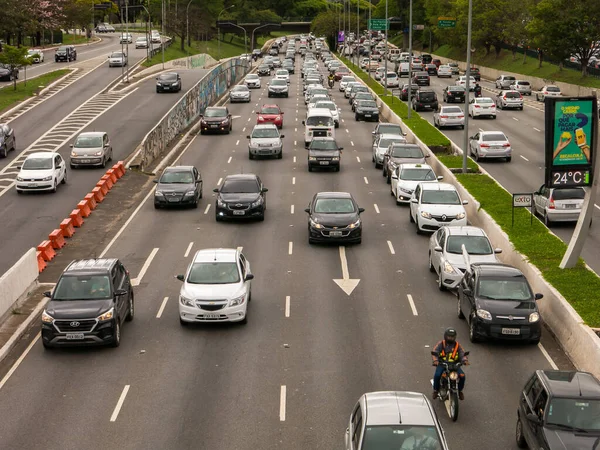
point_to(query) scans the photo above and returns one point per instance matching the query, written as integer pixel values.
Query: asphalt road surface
(289, 378)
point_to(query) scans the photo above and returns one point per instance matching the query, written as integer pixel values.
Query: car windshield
(240, 88)
(427, 96)
(493, 137)
(334, 206)
(440, 198)
(523, 83)
(504, 289)
(319, 121)
(88, 142)
(117, 55)
(240, 187)
(347, 79)
(263, 67)
(363, 96)
(323, 144)
(252, 77)
(577, 413)
(475, 245)
(386, 142)
(259, 133)
(417, 175)
(214, 273)
(451, 109)
(277, 82)
(141, 39)
(283, 72)
(568, 194)
(552, 89)
(512, 95)
(33, 52)
(168, 77)
(83, 287)
(401, 437)
(215, 112)
(37, 164)
(61, 49)
(389, 129)
(328, 105)
(367, 104)
(177, 176)
(484, 100)
(270, 110)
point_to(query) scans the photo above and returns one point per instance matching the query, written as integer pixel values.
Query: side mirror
(533, 419)
(180, 277)
(467, 291)
(440, 177)
(394, 176)
(48, 294)
(361, 210)
(472, 137)
(427, 156)
(340, 148)
(282, 136)
(264, 190)
(249, 277)
(307, 210)
(120, 292)
(437, 248)
(248, 137)
(497, 250)
(303, 122)
(465, 202)
(414, 200)
(216, 190)
(539, 296)
(18, 167)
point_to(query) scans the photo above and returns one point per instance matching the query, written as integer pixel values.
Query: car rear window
(513, 95)
(523, 83)
(509, 78)
(493, 137)
(417, 175)
(568, 194)
(552, 89)
(427, 96)
(407, 152)
(451, 109)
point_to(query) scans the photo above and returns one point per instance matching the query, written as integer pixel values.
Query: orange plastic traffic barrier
(121, 166)
(119, 171)
(67, 228)
(47, 251)
(113, 176)
(108, 180)
(98, 195)
(76, 218)
(57, 239)
(102, 185)
(83, 208)
(41, 263)
(91, 201)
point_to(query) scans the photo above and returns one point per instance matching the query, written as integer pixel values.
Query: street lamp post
(468, 76)
(387, 31)
(162, 41)
(257, 28)
(245, 35)
(219, 31)
(187, 22)
(410, 26)
(357, 29)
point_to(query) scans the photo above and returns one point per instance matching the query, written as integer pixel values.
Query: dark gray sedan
(178, 186)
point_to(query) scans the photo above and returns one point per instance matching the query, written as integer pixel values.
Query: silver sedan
(490, 144)
(449, 116)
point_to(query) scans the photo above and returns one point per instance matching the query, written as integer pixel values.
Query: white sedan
(482, 106)
(282, 74)
(406, 177)
(444, 71)
(36, 55)
(462, 81)
(449, 116)
(490, 144)
(41, 171)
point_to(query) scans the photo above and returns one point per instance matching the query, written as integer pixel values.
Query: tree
(14, 58)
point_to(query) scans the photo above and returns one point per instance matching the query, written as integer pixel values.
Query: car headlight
(174, 84)
(425, 214)
(460, 215)
(19, 178)
(278, 118)
(448, 268)
(355, 224)
(312, 158)
(186, 301)
(47, 178)
(74, 154)
(221, 203)
(158, 83)
(483, 314)
(224, 121)
(237, 301)
(316, 225)
(257, 202)
(261, 118)
(189, 193)
(47, 318)
(158, 194)
(335, 158)
(98, 153)
(534, 317)
(107, 315)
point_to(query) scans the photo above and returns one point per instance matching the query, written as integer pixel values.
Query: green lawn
(9, 97)
(73, 39)
(530, 68)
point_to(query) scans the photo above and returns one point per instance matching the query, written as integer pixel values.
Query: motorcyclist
(477, 90)
(331, 79)
(449, 350)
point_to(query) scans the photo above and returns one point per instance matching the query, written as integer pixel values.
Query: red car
(270, 114)
(342, 72)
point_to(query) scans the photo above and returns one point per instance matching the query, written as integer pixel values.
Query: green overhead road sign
(446, 22)
(378, 24)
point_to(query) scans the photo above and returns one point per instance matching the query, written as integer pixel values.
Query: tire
(250, 155)
(117, 339)
(195, 204)
(441, 286)
(417, 226)
(46, 346)
(5, 152)
(521, 442)
(459, 312)
(262, 217)
(310, 169)
(103, 165)
(218, 218)
(534, 341)
(410, 217)
(280, 156)
(64, 180)
(453, 406)
(55, 187)
(472, 335)
(156, 206)
(509, 159)
(547, 221)
(356, 117)
(110, 155)
(244, 321)
(431, 268)
(131, 310)
(183, 323)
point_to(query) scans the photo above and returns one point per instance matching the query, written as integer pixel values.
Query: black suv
(65, 53)
(89, 304)
(425, 99)
(421, 78)
(498, 302)
(324, 153)
(559, 410)
(241, 196)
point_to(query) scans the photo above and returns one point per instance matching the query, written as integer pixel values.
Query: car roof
(415, 166)
(217, 107)
(570, 383)
(437, 187)
(319, 112)
(270, 105)
(178, 168)
(216, 254)
(42, 155)
(397, 407)
(261, 126)
(90, 265)
(333, 195)
(383, 136)
(487, 99)
(497, 269)
(465, 231)
(92, 133)
(387, 124)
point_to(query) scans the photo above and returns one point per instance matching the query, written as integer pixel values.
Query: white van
(404, 69)
(318, 123)
(393, 52)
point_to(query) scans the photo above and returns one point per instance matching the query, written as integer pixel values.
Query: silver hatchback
(92, 148)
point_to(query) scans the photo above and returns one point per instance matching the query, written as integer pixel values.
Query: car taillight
(506, 144)
(493, 106)
(551, 205)
(545, 92)
(484, 145)
(475, 106)
(461, 117)
(520, 96)
(443, 117)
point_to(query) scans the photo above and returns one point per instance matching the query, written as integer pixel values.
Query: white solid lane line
(219, 182)
(366, 181)
(229, 160)
(293, 180)
(115, 413)
(523, 157)
(290, 248)
(596, 206)
(537, 129)
(187, 252)
(136, 281)
(237, 142)
(547, 356)
(352, 143)
(514, 118)
(412, 305)
(347, 130)
(162, 307)
(292, 209)
(287, 306)
(282, 396)
(207, 208)
(19, 361)
(294, 159)
(376, 208)
(391, 247)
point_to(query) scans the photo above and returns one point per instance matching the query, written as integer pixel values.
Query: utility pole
(468, 75)
(410, 59)
(385, 61)
(127, 34)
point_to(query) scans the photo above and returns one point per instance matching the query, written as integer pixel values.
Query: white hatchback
(434, 205)
(216, 287)
(41, 171)
(406, 177)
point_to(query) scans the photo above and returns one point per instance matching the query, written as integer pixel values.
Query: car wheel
(356, 117)
(441, 286)
(431, 268)
(472, 332)
(509, 159)
(64, 179)
(417, 225)
(5, 152)
(337, 169)
(520, 438)
(183, 323)
(195, 204)
(55, 187)
(280, 156)
(310, 169)
(110, 155)
(547, 221)
(389, 179)
(462, 127)
(534, 341)
(156, 206)
(261, 218)
(218, 218)
(250, 155)
(244, 321)
(117, 338)
(103, 165)
(459, 312)
(131, 311)
(476, 155)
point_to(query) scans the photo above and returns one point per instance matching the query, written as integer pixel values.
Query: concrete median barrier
(20, 279)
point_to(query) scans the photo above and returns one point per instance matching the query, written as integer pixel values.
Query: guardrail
(166, 43)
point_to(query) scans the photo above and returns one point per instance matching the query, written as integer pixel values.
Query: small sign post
(522, 201)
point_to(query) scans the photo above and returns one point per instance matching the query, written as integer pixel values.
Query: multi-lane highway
(127, 117)
(289, 378)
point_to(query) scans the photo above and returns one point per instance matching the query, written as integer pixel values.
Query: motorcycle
(330, 82)
(448, 393)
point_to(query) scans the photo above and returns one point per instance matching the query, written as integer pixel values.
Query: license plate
(239, 213)
(335, 233)
(512, 331)
(33, 184)
(85, 161)
(570, 206)
(211, 316)
(367, 115)
(324, 163)
(74, 336)
(166, 88)
(173, 200)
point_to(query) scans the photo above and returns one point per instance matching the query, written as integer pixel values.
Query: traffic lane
(136, 115)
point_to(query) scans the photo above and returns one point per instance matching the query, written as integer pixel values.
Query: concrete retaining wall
(18, 281)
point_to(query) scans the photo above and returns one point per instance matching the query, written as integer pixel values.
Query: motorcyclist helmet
(450, 335)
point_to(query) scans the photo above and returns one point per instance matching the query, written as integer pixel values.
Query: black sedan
(216, 119)
(168, 82)
(334, 217)
(241, 196)
(8, 141)
(498, 302)
(366, 110)
(6, 74)
(454, 94)
(324, 153)
(178, 186)
(263, 70)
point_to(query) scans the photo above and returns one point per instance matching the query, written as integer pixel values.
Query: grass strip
(9, 97)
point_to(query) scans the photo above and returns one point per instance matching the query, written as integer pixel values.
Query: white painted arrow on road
(346, 283)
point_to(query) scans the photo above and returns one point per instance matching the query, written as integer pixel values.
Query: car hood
(507, 307)
(240, 93)
(4, 70)
(265, 141)
(78, 309)
(412, 185)
(438, 210)
(117, 58)
(176, 188)
(367, 108)
(86, 151)
(458, 260)
(214, 119)
(35, 173)
(277, 88)
(324, 153)
(407, 160)
(239, 197)
(212, 291)
(567, 440)
(335, 220)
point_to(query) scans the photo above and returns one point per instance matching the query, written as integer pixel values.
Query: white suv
(434, 205)
(216, 287)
